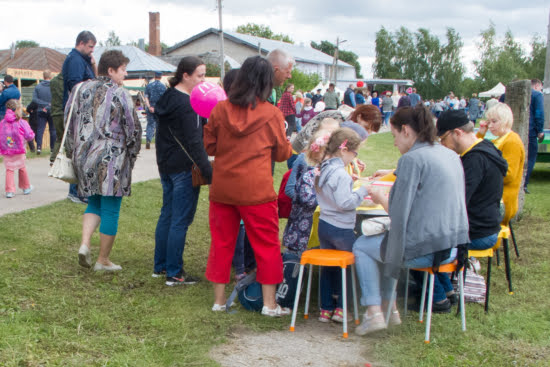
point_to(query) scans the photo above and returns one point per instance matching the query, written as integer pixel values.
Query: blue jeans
(43, 119)
(334, 238)
(374, 286)
(179, 203)
(387, 116)
(483, 243)
(151, 127)
(531, 157)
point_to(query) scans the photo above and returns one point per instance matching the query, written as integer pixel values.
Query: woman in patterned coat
(104, 138)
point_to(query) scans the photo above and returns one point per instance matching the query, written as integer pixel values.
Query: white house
(240, 46)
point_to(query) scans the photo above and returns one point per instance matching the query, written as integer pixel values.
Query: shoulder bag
(62, 167)
(196, 176)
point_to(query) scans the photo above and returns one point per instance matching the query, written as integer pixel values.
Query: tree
(502, 62)
(163, 45)
(213, 70)
(26, 44)
(260, 30)
(536, 61)
(434, 66)
(346, 56)
(112, 40)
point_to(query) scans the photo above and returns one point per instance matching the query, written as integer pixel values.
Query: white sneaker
(218, 307)
(112, 267)
(394, 318)
(276, 312)
(84, 256)
(371, 324)
(9, 195)
(28, 191)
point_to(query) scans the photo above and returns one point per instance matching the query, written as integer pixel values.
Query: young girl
(14, 132)
(338, 202)
(304, 203)
(306, 113)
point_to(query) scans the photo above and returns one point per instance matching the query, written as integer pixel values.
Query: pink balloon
(205, 96)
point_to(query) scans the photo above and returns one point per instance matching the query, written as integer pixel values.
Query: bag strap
(62, 146)
(181, 145)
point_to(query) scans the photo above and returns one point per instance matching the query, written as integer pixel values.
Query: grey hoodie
(335, 194)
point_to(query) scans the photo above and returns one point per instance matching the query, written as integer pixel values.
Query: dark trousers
(43, 119)
(531, 156)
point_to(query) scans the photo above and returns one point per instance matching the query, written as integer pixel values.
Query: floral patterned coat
(300, 220)
(104, 138)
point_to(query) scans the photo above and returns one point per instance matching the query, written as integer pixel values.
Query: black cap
(450, 120)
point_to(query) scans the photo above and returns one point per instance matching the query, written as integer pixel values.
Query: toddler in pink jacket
(14, 133)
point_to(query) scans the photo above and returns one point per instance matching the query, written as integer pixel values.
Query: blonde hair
(315, 149)
(502, 112)
(15, 106)
(328, 123)
(307, 101)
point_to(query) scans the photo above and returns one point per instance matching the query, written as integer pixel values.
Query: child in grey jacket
(338, 201)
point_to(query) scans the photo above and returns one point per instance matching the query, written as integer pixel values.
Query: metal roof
(301, 53)
(33, 58)
(140, 61)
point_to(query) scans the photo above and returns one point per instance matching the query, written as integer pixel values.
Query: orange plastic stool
(445, 268)
(503, 237)
(342, 259)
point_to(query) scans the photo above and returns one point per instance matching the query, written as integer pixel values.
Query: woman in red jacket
(245, 133)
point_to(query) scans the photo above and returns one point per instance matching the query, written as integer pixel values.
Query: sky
(54, 23)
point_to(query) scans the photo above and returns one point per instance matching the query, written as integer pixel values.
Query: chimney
(141, 44)
(154, 34)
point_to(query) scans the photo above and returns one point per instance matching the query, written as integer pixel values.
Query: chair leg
(391, 301)
(429, 315)
(488, 284)
(297, 298)
(507, 265)
(319, 289)
(345, 302)
(514, 239)
(423, 297)
(306, 311)
(406, 291)
(354, 285)
(461, 295)
(498, 257)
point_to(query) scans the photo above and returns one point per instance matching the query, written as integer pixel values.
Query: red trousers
(261, 223)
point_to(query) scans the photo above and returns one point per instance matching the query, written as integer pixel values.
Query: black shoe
(442, 307)
(38, 151)
(453, 298)
(525, 190)
(181, 279)
(159, 274)
(147, 145)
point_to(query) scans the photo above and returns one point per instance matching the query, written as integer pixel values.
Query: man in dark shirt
(153, 92)
(317, 98)
(484, 171)
(536, 127)
(79, 66)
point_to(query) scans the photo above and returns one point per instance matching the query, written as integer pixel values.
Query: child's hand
(360, 164)
(355, 177)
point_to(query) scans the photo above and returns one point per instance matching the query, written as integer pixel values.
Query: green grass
(54, 313)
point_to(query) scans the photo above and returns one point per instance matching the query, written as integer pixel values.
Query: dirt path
(312, 344)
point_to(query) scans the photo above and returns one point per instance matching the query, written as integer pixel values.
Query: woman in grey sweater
(428, 215)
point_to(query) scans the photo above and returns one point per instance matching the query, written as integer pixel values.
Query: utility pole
(222, 52)
(546, 90)
(335, 61)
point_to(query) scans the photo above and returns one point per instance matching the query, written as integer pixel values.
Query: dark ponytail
(187, 66)
(419, 118)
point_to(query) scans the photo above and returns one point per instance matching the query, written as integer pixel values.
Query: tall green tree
(434, 66)
(260, 30)
(112, 40)
(346, 56)
(500, 62)
(26, 44)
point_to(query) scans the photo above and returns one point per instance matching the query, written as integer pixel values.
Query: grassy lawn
(54, 313)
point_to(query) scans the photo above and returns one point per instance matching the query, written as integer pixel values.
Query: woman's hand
(382, 173)
(378, 196)
(483, 127)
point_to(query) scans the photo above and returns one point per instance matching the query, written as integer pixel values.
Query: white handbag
(374, 226)
(62, 167)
